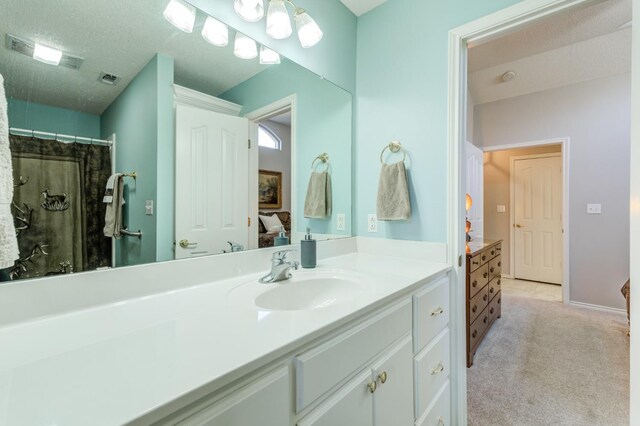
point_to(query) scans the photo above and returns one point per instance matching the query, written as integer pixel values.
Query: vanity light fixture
(215, 32)
(45, 54)
(278, 21)
(244, 47)
(268, 56)
(181, 14)
(249, 10)
(309, 32)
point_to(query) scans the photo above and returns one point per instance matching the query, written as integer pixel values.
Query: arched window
(268, 139)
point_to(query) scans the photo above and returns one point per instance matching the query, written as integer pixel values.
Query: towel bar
(394, 147)
(127, 233)
(133, 175)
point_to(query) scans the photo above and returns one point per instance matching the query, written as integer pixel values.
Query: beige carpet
(544, 363)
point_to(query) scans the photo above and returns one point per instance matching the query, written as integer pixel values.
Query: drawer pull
(438, 311)
(491, 290)
(484, 297)
(492, 310)
(492, 252)
(491, 270)
(439, 369)
(484, 257)
(475, 262)
(499, 264)
(474, 334)
(499, 249)
(372, 387)
(441, 421)
(499, 281)
(485, 319)
(382, 377)
(485, 275)
(475, 283)
(499, 300)
(474, 309)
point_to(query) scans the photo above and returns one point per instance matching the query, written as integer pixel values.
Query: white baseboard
(509, 276)
(599, 308)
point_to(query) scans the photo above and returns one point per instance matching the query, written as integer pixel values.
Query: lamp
(468, 204)
(309, 33)
(244, 47)
(249, 10)
(181, 14)
(215, 32)
(268, 56)
(278, 22)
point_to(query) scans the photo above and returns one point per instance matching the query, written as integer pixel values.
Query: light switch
(148, 207)
(502, 209)
(594, 208)
(340, 222)
(372, 223)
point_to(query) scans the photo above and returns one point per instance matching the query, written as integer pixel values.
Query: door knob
(517, 225)
(186, 244)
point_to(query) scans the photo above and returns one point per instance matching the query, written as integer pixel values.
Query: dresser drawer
(492, 252)
(494, 287)
(477, 280)
(430, 313)
(439, 412)
(495, 307)
(478, 260)
(495, 267)
(323, 367)
(431, 367)
(477, 304)
(477, 329)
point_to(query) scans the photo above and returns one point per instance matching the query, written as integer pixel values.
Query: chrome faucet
(280, 267)
(235, 246)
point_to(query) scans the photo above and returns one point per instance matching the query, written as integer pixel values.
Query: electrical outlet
(340, 222)
(502, 208)
(594, 208)
(372, 223)
(148, 207)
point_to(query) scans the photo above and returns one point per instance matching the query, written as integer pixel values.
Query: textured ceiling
(116, 36)
(567, 48)
(360, 7)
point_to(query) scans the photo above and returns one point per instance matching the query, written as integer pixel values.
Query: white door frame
(483, 29)
(264, 113)
(565, 214)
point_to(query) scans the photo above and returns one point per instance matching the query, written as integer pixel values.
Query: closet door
(211, 181)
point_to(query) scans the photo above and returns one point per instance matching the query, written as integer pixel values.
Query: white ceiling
(568, 48)
(360, 7)
(116, 36)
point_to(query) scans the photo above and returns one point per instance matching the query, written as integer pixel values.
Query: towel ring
(323, 158)
(394, 147)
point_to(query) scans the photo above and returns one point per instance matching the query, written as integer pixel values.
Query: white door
(538, 219)
(211, 181)
(475, 188)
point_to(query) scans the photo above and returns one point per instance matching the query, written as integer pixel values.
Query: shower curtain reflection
(57, 206)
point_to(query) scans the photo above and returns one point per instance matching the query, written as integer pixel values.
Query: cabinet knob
(382, 377)
(474, 284)
(500, 263)
(499, 300)
(499, 281)
(438, 311)
(484, 297)
(484, 257)
(372, 387)
(439, 369)
(485, 275)
(491, 290)
(491, 270)
(475, 333)
(492, 310)
(475, 308)
(485, 319)
(492, 252)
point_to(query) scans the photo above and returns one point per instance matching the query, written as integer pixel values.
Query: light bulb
(249, 10)
(244, 47)
(278, 22)
(181, 14)
(46, 54)
(268, 56)
(215, 32)
(309, 32)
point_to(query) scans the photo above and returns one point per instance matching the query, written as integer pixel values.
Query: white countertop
(112, 364)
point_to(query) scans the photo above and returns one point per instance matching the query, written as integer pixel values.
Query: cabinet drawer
(477, 304)
(495, 307)
(495, 267)
(477, 280)
(475, 262)
(492, 252)
(439, 412)
(323, 367)
(477, 329)
(263, 402)
(430, 313)
(494, 287)
(431, 367)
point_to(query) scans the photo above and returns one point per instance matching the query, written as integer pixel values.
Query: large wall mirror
(208, 152)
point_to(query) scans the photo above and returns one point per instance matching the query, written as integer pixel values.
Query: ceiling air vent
(109, 79)
(26, 47)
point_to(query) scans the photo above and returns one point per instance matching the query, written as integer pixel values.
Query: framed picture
(269, 189)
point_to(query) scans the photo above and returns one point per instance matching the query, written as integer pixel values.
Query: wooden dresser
(484, 298)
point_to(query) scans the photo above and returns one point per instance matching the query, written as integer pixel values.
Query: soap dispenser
(281, 239)
(308, 251)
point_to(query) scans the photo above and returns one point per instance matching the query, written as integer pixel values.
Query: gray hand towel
(114, 200)
(317, 204)
(393, 193)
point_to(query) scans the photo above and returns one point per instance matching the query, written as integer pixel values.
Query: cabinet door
(393, 398)
(264, 402)
(352, 405)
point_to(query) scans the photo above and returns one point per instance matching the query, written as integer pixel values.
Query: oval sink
(304, 291)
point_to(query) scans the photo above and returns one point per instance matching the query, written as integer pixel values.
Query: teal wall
(334, 57)
(44, 118)
(402, 76)
(139, 117)
(324, 124)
